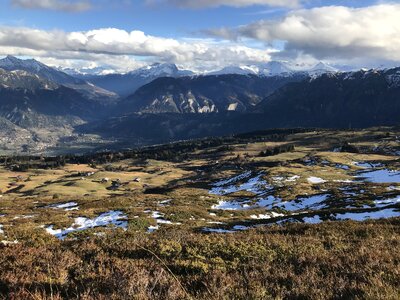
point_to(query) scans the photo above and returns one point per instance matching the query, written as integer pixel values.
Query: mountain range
(126, 84)
(43, 109)
(204, 94)
(32, 66)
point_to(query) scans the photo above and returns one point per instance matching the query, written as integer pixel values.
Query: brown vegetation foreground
(333, 260)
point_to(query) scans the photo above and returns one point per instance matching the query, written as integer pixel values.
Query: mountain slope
(203, 94)
(11, 63)
(36, 113)
(24, 80)
(361, 99)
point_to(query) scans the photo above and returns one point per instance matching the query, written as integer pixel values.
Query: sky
(201, 35)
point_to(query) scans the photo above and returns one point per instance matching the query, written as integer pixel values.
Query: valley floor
(285, 214)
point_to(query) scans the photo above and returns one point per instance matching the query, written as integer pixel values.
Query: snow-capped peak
(321, 66)
(240, 70)
(13, 63)
(88, 71)
(274, 68)
(159, 70)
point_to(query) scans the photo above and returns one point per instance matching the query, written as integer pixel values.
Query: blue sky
(242, 30)
(156, 20)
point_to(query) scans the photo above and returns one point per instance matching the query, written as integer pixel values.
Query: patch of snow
(233, 179)
(254, 185)
(65, 206)
(386, 202)
(293, 178)
(267, 202)
(343, 167)
(229, 205)
(390, 188)
(286, 179)
(116, 218)
(221, 230)
(381, 176)
(7, 243)
(315, 180)
(217, 230)
(232, 107)
(240, 227)
(381, 214)
(314, 202)
(267, 216)
(344, 181)
(165, 202)
(159, 217)
(312, 220)
(151, 228)
(246, 204)
(23, 217)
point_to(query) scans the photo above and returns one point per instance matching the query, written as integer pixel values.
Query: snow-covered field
(381, 176)
(116, 218)
(380, 214)
(286, 211)
(255, 185)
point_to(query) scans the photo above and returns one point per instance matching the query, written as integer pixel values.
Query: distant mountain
(322, 68)
(82, 73)
(203, 94)
(16, 104)
(126, 84)
(11, 63)
(239, 70)
(355, 99)
(276, 68)
(37, 112)
(24, 94)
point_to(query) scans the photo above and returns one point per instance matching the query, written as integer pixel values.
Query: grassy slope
(330, 260)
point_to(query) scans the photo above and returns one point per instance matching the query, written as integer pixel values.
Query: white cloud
(102, 44)
(234, 3)
(62, 5)
(333, 32)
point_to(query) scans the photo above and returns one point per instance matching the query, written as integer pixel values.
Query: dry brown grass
(329, 261)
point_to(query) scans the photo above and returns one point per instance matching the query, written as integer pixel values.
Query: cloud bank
(111, 42)
(333, 32)
(367, 36)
